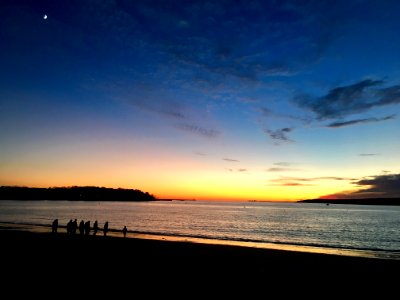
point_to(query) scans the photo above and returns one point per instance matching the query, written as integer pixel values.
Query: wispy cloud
(298, 181)
(230, 160)
(162, 111)
(193, 36)
(284, 164)
(368, 154)
(200, 154)
(209, 133)
(346, 100)
(295, 184)
(359, 121)
(332, 178)
(150, 98)
(280, 169)
(279, 135)
(266, 112)
(236, 170)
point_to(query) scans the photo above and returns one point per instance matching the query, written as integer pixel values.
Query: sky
(219, 100)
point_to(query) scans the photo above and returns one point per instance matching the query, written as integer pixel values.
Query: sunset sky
(232, 100)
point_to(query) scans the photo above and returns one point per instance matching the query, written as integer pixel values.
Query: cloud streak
(266, 112)
(283, 164)
(230, 160)
(343, 101)
(280, 169)
(191, 128)
(200, 154)
(237, 170)
(300, 181)
(295, 184)
(176, 114)
(359, 121)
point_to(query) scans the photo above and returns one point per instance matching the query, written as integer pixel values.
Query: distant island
(74, 193)
(364, 201)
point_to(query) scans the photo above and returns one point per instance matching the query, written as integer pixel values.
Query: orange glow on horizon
(170, 176)
(194, 191)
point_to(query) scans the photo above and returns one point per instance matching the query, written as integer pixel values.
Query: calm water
(365, 229)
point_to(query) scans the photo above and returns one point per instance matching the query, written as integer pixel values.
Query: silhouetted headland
(364, 201)
(75, 193)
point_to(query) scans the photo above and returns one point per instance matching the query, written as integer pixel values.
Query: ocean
(355, 230)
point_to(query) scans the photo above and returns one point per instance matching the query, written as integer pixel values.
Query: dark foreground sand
(98, 263)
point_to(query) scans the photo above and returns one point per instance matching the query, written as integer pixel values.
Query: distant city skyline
(217, 100)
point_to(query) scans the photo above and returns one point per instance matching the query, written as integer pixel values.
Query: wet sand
(116, 262)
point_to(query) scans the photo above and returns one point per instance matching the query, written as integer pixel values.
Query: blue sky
(276, 100)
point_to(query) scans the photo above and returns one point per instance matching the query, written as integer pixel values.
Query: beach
(117, 262)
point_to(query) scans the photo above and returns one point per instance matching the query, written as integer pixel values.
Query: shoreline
(115, 233)
(39, 258)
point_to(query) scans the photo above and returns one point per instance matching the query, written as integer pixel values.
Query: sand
(93, 263)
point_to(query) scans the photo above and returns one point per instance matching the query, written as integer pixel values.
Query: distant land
(364, 201)
(74, 193)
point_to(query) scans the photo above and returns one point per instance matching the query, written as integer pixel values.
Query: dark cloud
(381, 186)
(340, 101)
(242, 170)
(351, 99)
(230, 160)
(209, 133)
(360, 121)
(389, 95)
(279, 134)
(369, 154)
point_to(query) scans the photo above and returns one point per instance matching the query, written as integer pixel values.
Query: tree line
(74, 193)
